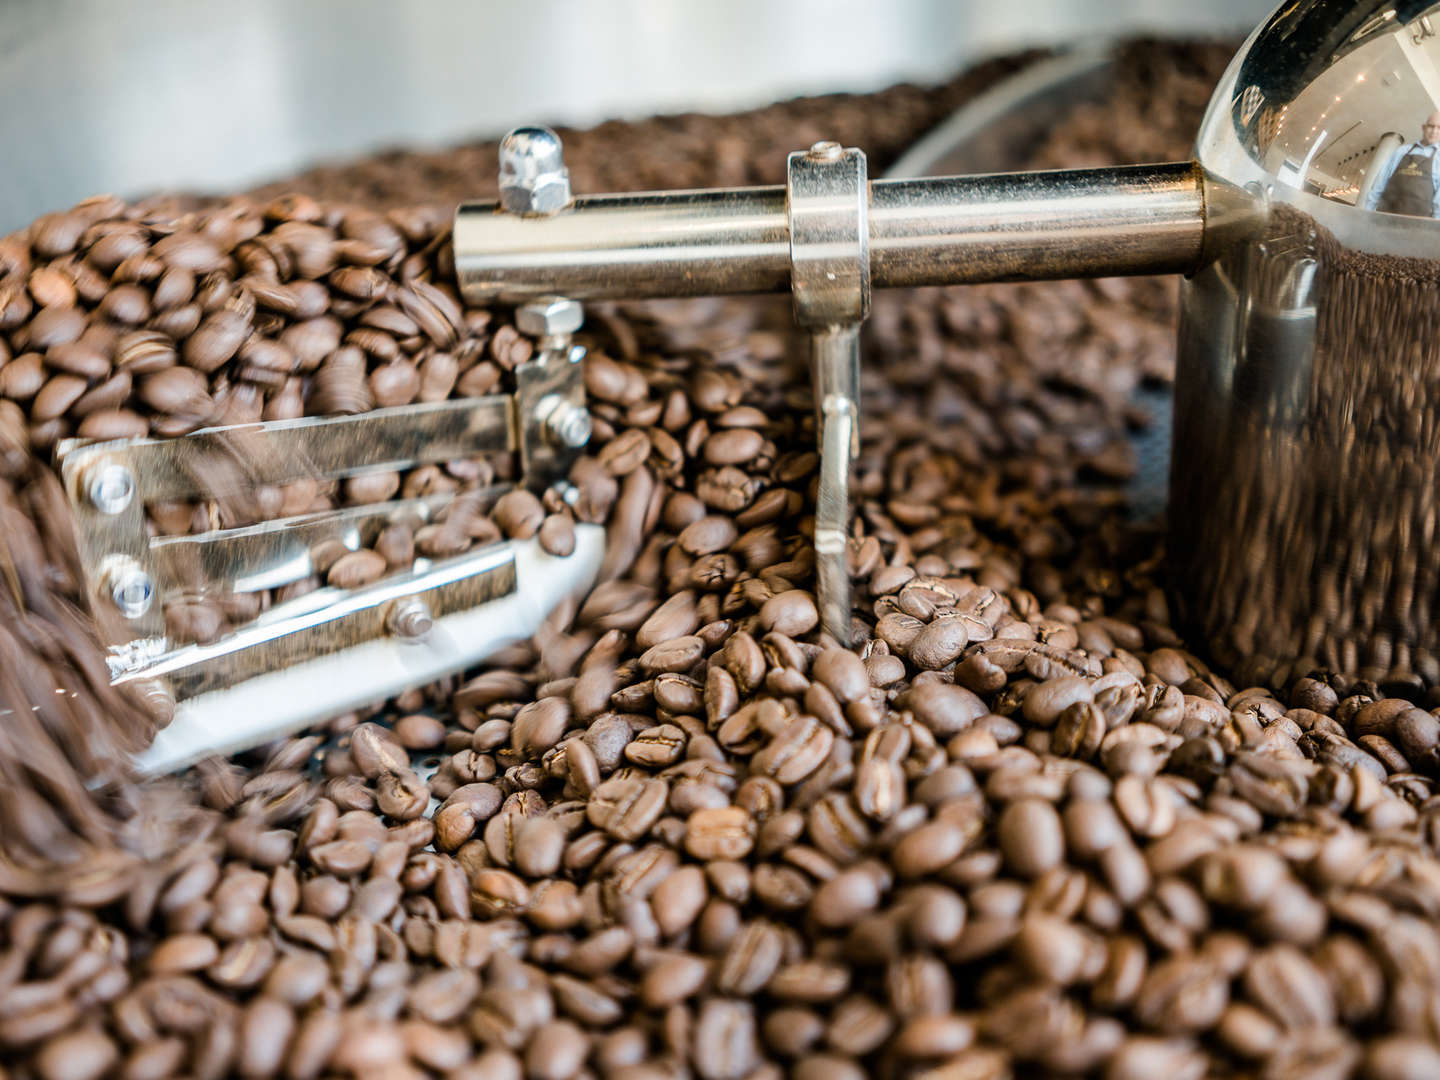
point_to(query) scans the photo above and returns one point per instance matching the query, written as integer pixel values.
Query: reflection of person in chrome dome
(1409, 183)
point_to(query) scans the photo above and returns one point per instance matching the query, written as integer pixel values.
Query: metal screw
(533, 176)
(826, 151)
(110, 486)
(565, 423)
(550, 317)
(411, 619)
(130, 587)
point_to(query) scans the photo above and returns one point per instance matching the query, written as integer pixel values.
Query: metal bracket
(550, 414)
(827, 198)
(109, 485)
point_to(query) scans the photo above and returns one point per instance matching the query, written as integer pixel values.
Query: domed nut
(533, 177)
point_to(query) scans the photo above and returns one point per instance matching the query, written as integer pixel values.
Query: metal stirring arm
(830, 234)
(333, 649)
(830, 282)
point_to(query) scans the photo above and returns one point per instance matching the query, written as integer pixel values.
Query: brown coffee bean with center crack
(1284, 982)
(676, 654)
(627, 807)
(720, 833)
(1182, 995)
(177, 391)
(184, 952)
(939, 643)
(799, 748)
(707, 535)
(624, 455)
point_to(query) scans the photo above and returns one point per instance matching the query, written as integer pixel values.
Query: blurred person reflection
(1409, 182)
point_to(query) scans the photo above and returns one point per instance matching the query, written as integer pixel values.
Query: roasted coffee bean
(626, 808)
(557, 535)
(1031, 837)
(720, 833)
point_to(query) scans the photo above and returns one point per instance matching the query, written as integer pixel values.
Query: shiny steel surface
(1307, 439)
(826, 207)
(835, 372)
(231, 462)
(551, 421)
(682, 243)
(224, 463)
(335, 620)
(1144, 219)
(533, 176)
(295, 695)
(273, 554)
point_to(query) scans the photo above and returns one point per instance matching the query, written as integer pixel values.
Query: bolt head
(564, 423)
(573, 426)
(826, 151)
(110, 487)
(412, 619)
(533, 177)
(549, 317)
(131, 589)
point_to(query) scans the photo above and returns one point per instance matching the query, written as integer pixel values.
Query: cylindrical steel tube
(957, 230)
(1145, 219)
(630, 247)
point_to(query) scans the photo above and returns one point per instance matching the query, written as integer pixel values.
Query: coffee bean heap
(1017, 830)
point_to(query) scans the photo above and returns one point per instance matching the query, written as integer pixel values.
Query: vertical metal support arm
(826, 204)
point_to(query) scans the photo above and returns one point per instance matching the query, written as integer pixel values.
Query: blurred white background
(127, 96)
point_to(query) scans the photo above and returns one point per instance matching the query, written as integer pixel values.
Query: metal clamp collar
(826, 206)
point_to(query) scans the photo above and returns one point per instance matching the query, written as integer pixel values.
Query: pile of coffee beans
(1017, 830)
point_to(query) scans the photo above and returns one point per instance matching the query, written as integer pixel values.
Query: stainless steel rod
(835, 371)
(657, 244)
(1144, 219)
(956, 230)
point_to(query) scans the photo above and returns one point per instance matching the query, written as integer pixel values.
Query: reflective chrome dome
(1325, 96)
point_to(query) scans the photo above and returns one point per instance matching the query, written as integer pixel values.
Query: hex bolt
(411, 619)
(110, 487)
(550, 317)
(130, 587)
(533, 176)
(564, 423)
